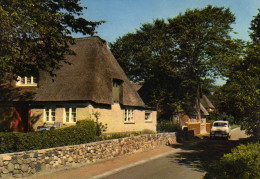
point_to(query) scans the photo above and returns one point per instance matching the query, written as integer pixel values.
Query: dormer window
(26, 81)
(116, 90)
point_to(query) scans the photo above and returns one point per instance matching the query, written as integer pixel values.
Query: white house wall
(113, 117)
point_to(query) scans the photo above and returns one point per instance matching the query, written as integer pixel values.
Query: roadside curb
(133, 164)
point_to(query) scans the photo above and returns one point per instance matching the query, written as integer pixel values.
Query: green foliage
(216, 116)
(83, 132)
(167, 126)
(36, 34)
(119, 135)
(6, 118)
(147, 131)
(175, 58)
(7, 142)
(240, 96)
(100, 126)
(243, 162)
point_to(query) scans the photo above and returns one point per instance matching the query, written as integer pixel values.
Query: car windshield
(220, 124)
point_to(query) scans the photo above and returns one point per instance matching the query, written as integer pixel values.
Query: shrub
(7, 142)
(242, 162)
(100, 127)
(147, 131)
(84, 131)
(116, 136)
(168, 126)
(119, 135)
(216, 116)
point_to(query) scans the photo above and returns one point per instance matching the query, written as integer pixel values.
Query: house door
(21, 120)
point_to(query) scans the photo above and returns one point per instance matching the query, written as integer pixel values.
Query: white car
(220, 129)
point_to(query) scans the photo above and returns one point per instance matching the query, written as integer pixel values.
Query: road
(183, 163)
(237, 134)
(162, 168)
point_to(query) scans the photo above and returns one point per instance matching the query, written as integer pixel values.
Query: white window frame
(25, 78)
(149, 119)
(129, 115)
(70, 114)
(49, 117)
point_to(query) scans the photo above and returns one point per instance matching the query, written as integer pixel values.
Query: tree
(175, 58)
(240, 96)
(36, 34)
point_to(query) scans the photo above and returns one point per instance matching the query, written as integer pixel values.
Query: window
(129, 115)
(26, 81)
(148, 116)
(116, 90)
(220, 124)
(49, 114)
(70, 114)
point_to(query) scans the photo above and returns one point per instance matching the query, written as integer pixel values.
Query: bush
(242, 162)
(147, 131)
(218, 116)
(119, 135)
(83, 132)
(168, 126)
(7, 142)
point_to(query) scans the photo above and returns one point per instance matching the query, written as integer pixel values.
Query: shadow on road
(200, 153)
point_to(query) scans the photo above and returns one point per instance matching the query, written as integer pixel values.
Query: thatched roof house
(92, 76)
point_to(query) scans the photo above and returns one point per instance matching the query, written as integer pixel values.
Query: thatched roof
(204, 111)
(137, 87)
(207, 102)
(88, 78)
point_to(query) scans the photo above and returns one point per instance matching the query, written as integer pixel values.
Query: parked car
(46, 127)
(220, 129)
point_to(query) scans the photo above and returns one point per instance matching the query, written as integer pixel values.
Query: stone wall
(22, 164)
(185, 135)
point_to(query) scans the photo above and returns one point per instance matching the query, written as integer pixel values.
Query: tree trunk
(197, 104)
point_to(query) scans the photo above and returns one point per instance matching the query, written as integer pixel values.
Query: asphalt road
(162, 168)
(169, 166)
(237, 134)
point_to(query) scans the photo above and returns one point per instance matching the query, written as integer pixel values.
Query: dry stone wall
(22, 164)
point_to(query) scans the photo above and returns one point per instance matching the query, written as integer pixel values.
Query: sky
(124, 16)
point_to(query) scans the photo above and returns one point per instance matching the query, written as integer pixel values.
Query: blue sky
(125, 16)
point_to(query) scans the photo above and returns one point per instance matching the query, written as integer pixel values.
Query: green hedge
(243, 162)
(83, 132)
(167, 126)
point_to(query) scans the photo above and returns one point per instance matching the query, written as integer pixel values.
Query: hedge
(243, 162)
(83, 132)
(167, 126)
